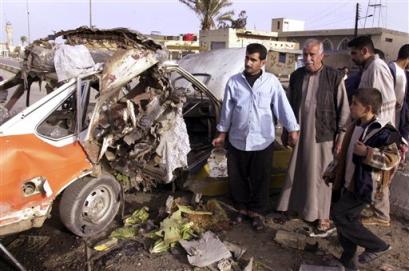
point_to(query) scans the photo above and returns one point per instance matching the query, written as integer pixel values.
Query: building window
(388, 39)
(343, 45)
(217, 45)
(327, 45)
(278, 25)
(282, 57)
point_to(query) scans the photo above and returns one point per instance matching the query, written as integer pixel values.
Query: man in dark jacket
(319, 100)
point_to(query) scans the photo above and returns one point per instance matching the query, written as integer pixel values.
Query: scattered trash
(387, 267)
(31, 243)
(124, 232)
(217, 163)
(106, 244)
(171, 230)
(307, 267)
(224, 265)
(235, 250)
(169, 204)
(249, 266)
(206, 251)
(138, 217)
(218, 221)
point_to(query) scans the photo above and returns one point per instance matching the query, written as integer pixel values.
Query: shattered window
(180, 83)
(184, 86)
(61, 122)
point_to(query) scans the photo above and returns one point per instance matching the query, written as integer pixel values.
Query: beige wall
(391, 49)
(278, 67)
(335, 37)
(232, 38)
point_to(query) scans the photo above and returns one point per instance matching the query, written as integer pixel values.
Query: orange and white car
(48, 149)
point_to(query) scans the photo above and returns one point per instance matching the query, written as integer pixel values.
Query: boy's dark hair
(403, 52)
(361, 42)
(257, 48)
(369, 97)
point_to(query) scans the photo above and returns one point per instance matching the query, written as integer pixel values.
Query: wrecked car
(101, 130)
(132, 122)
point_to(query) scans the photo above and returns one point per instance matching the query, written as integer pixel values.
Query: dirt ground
(52, 247)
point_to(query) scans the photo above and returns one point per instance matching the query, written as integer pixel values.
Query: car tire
(89, 205)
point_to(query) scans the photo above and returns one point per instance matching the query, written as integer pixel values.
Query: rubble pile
(39, 57)
(102, 43)
(133, 134)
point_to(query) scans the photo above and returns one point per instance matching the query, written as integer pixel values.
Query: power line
(329, 12)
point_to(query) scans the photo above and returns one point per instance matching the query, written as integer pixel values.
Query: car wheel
(89, 205)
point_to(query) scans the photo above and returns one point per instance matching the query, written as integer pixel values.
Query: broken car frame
(123, 120)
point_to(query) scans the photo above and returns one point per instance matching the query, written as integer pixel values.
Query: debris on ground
(307, 267)
(31, 243)
(301, 241)
(249, 266)
(236, 250)
(205, 251)
(138, 217)
(218, 221)
(106, 244)
(172, 229)
(387, 267)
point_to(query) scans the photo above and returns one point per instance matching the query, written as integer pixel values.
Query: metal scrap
(206, 251)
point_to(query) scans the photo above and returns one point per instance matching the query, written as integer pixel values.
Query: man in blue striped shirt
(251, 99)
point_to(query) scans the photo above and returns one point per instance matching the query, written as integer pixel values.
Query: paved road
(10, 61)
(35, 94)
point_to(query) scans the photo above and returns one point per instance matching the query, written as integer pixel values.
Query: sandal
(258, 223)
(368, 256)
(323, 229)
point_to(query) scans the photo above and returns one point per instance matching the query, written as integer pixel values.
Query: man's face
(358, 56)
(358, 110)
(312, 57)
(253, 63)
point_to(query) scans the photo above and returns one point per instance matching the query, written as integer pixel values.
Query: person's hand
(284, 138)
(293, 138)
(218, 142)
(360, 149)
(337, 148)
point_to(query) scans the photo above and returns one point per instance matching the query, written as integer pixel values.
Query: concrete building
(238, 38)
(284, 24)
(336, 40)
(178, 46)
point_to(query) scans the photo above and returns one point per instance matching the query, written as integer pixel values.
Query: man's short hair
(369, 97)
(257, 48)
(361, 42)
(403, 52)
(315, 42)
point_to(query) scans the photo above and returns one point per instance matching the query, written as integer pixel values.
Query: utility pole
(356, 20)
(28, 23)
(90, 14)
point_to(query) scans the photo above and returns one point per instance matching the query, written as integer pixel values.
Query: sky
(171, 17)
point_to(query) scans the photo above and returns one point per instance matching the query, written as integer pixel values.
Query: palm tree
(23, 40)
(210, 11)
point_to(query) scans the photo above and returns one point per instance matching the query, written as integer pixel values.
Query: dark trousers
(346, 214)
(250, 178)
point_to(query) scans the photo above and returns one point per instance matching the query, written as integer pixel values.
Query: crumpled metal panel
(141, 135)
(123, 66)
